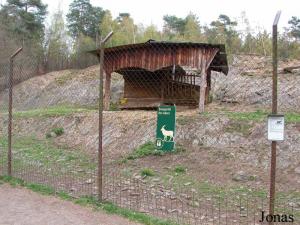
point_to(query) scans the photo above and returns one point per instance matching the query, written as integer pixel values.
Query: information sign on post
(165, 130)
(276, 127)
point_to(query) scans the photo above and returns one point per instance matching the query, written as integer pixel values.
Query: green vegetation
(184, 120)
(261, 116)
(63, 110)
(147, 172)
(50, 112)
(149, 149)
(242, 119)
(143, 151)
(248, 116)
(258, 116)
(45, 154)
(89, 202)
(64, 78)
(114, 107)
(55, 132)
(240, 127)
(131, 215)
(183, 181)
(30, 17)
(180, 169)
(292, 117)
(92, 16)
(48, 135)
(58, 131)
(51, 41)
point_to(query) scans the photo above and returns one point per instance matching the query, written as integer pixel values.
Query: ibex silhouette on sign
(167, 133)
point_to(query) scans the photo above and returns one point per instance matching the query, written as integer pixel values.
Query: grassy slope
(30, 149)
(45, 154)
(51, 111)
(178, 172)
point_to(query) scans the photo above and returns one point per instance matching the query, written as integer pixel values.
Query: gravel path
(19, 206)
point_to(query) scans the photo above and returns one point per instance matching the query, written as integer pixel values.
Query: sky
(260, 13)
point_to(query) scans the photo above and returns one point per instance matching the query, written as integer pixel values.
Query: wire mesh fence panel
(4, 71)
(218, 172)
(50, 115)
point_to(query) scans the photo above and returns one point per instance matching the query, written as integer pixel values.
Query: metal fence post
(100, 147)
(274, 111)
(10, 100)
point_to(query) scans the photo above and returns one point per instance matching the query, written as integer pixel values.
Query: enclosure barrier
(55, 139)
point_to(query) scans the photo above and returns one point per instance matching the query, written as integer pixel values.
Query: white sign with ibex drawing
(276, 127)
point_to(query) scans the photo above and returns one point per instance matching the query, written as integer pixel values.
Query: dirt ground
(19, 206)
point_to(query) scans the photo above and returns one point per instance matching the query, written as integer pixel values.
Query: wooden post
(100, 147)
(100, 128)
(274, 112)
(10, 105)
(207, 91)
(203, 86)
(107, 91)
(204, 61)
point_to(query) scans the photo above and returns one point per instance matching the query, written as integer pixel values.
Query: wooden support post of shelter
(208, 88)
(207, 58)
(203, 84)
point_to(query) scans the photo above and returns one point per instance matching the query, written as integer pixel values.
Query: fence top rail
(277, 17)
(16, 53)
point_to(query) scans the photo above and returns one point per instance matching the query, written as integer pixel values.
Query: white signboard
(276, 127)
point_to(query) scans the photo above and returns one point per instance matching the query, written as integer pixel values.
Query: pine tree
(151, 32)
(223, 31)
(173, 27)
(25, 18)
(295, 27)
(125, 31)
(84, 19)
(192, 29)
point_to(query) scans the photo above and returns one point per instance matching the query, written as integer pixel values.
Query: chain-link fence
(4, 71)
(40, 128)
(219, 170)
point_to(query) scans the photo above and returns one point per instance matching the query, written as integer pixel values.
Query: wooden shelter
(157, 73)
